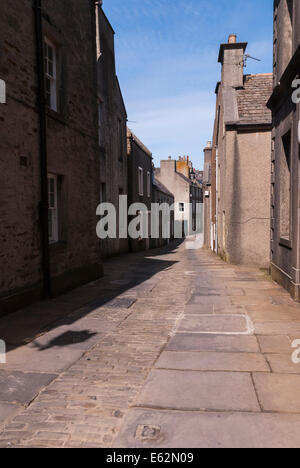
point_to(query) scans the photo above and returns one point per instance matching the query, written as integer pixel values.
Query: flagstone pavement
(173, 348)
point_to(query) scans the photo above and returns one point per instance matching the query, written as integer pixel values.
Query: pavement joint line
(197, 410)
(256, 392)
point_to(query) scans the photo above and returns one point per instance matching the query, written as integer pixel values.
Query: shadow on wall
(234, 251)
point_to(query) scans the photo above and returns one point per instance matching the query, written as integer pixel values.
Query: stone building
(140, 175)
(161, 195)
(209, 216)
(63, 146)
(178, 177)
(239, 162)
(112, 129)
(285, 183)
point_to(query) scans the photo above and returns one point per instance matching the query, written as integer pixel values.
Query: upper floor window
(141, 181)
(50, 74)
(181, 207)
(148, 184)
(285, 187)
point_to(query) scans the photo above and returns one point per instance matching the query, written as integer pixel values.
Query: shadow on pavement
(127, 277)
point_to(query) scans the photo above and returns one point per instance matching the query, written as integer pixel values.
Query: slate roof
(252, 99)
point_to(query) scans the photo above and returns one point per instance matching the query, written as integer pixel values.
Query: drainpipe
(43, 147)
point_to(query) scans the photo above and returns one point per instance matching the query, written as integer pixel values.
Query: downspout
(43, 147)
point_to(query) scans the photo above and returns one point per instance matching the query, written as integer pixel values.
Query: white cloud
(176, 126)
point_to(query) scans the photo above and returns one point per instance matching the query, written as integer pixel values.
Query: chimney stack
(231, 57)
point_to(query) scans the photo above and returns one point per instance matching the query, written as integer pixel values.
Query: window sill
(57, 246)
(286, 242)
(56, 116)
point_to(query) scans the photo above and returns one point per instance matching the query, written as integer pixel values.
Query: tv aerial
(247, 56)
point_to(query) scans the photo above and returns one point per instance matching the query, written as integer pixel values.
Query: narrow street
(174, 349)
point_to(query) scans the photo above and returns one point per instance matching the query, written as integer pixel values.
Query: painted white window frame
(53, 209)
(141, 181)
(51, 77)
(148, 184)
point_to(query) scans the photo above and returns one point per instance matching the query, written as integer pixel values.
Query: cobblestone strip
(85, 406)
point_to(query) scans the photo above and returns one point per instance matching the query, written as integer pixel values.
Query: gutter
(43, 147)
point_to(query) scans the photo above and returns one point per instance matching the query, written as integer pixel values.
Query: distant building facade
(161, 195)
(140, 175)
(237, 165)
(178, 177)
(112, 129)
(285, 183)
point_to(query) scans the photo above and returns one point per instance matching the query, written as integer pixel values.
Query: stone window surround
(51, 77)
(141, 181)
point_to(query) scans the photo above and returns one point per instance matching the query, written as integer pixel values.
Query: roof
(253, 97)
(144, 148)
(159, 186)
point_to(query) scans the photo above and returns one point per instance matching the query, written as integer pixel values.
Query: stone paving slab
(251, 300)
(274, 313)
(214, 324)
(266, 292)
(189, 390)
(283, 364)
(156, 429)
(22, 387)
(276, 328)
(219, 292)
(31, 359)
(275, 344)
(7, 411)
(221, 343)
(194, 309)
(205, 361)
(278, 392)
(260, 285)
(210, 300)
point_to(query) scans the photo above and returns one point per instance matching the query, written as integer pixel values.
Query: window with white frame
(52, 208)
(148, 184)
(50, 74)
(141, 181)
(181, 207)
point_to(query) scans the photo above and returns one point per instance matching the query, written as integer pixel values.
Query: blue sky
(167, 64)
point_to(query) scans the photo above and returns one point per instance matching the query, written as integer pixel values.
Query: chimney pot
(232, 39)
